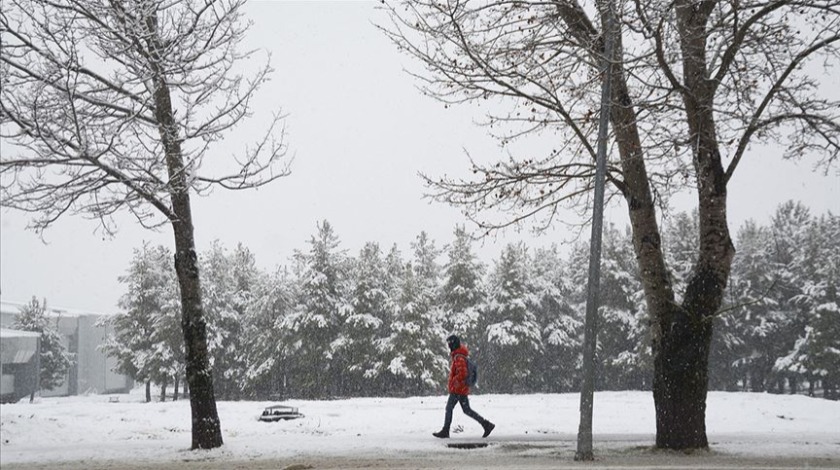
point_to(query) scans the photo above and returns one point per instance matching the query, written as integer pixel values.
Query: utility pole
(587, 392)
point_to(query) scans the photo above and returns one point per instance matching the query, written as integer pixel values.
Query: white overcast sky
(360, 132)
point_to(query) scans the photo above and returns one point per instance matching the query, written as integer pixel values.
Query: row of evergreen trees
(374, 324)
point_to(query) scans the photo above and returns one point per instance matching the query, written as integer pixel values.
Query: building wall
(92, 371)
(95, 372)
(18, 364)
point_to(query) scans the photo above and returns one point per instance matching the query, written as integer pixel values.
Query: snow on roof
(7, 333)
(12, 307)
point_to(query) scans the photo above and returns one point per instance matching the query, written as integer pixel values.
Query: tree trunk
(163, 391)
(206, 427)
(680, 382)
(681, 334)
(148, 391)
(175, 393)
(794, 385)
(37, 378)
(680, 345)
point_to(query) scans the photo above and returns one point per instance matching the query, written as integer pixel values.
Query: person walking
(459, 390)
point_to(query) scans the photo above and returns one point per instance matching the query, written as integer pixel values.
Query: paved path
(501, 458)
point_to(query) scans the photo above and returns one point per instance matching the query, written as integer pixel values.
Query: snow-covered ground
(796, 430)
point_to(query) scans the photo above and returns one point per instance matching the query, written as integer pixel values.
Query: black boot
(488, 428)
(442, 434)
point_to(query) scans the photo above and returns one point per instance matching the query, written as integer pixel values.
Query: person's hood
(462, 350)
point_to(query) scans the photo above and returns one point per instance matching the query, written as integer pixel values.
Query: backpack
(472, 371)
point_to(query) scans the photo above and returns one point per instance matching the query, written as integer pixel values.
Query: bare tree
(695, 84)
(111, 106)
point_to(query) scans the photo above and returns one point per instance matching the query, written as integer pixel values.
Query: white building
(91, 372)
(18, 363)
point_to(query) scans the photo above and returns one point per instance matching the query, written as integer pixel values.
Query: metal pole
(587, 392)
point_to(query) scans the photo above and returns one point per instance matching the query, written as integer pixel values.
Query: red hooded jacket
(458, 371)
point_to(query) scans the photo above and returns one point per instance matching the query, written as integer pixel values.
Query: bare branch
(78, 113)
(756, 124)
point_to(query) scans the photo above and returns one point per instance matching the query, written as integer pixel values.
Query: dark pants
(465, 405)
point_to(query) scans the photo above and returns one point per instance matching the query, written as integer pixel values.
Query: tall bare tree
(111, 106)
(695, 84)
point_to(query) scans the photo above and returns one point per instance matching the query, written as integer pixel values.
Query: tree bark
(206, 427)
(680, 347)
(670, 400)
(681, 356)
(681, 333)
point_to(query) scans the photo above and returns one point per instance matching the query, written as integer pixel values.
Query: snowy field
(533, 431)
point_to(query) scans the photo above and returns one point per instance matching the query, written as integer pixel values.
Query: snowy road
(465, 460)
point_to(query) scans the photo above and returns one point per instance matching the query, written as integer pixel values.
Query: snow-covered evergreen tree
(147, 341)
(228, 285)
(625, 316)
(754, 273)
(264, 343)
(313, 328)
(418, 362)
(557, 369)
(815, 354)
(53, 358)
(462, 291)
(395, 266)
(512, 334)
(362, 327)
(772, 320)
(623, 348)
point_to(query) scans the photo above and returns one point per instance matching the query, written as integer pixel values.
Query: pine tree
(753, 275)
(512, 334)
(815, 354)
(247, 280)
(362, 328)
(395, 266)
(557, 369)
(462, 290)
(824, 291)
(623, 346)
(53, 359)
(229, 280)
(147, 341)
(418, 356)
(774, 321)
(263, 345)
(313, 326)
